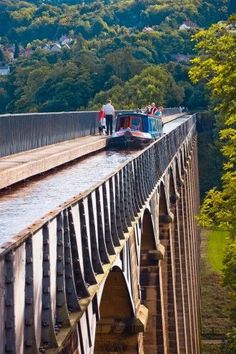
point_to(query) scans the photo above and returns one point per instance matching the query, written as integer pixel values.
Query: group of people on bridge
(153, 109)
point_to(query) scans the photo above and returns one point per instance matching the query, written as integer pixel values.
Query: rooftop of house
(148, 29)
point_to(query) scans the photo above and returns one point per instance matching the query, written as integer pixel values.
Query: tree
(153, 84)
(123, 64)
(216, 66)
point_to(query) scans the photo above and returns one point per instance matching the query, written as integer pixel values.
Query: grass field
(216, 242)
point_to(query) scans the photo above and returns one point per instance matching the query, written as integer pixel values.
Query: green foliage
(230, 267)
(230, 345)
(215, 299)
(212, 11)
(110, 45)
(216, 66)
(216, 244)
(3, 98)
(153, 84)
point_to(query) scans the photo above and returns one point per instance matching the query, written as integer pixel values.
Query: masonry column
(193, 243)
(178, 277)
(166, 286)
(151, 256)
(185, 268)
(151, 298)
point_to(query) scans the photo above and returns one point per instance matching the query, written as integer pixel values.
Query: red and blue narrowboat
(136, 129)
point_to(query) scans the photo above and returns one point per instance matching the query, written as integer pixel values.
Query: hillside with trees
(69, 55)
(215, 66)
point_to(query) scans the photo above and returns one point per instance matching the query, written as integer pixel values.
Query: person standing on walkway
(109, 115)
(101, 121)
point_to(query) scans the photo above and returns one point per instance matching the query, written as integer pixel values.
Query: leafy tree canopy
(216, 66)
(153, 84)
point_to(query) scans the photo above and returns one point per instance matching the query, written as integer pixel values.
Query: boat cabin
(140, 122)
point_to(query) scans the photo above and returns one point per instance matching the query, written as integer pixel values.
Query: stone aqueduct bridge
(114, 270)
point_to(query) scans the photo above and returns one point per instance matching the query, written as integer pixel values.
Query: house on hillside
(4, 69)
(186, 25)
(231, 28)
(66, 46)
(56, 48)
(65, 40)
(148, 30)
(47, 47)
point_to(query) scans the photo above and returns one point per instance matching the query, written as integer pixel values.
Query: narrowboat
(135, 130)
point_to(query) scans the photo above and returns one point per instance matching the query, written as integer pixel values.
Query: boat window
(136, 123)
(123, 122)
(133, 122)
(153, 124)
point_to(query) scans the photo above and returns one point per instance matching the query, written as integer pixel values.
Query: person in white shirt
(109, 115)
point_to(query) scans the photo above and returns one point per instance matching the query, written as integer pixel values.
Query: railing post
(62, 314)
(89, 275)
(48, 335)
(81, 286)
(71, 294)
(101, 238)
(96, 260)
(114, 231)
(9, 320)
(119, 221)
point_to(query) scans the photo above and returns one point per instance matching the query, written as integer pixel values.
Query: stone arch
(164, 214)
(116, 329)
(148, 236)
(182, 161)
(119, 305)
(147, 252)
(185, 153)
(173, 194)
(163, 205)
(178, 173)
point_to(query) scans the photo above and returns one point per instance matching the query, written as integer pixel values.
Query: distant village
(14, 51)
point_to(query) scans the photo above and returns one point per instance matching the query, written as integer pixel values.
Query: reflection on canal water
(23, 204)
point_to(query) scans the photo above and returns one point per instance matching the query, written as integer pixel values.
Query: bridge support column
(151, 297)
(118, 335)
(191, 194)
(189, 255)
(178, 281)
(167, 275)
(185, 269)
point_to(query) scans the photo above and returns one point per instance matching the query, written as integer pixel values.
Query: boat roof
(132, 113)
(142, 114)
